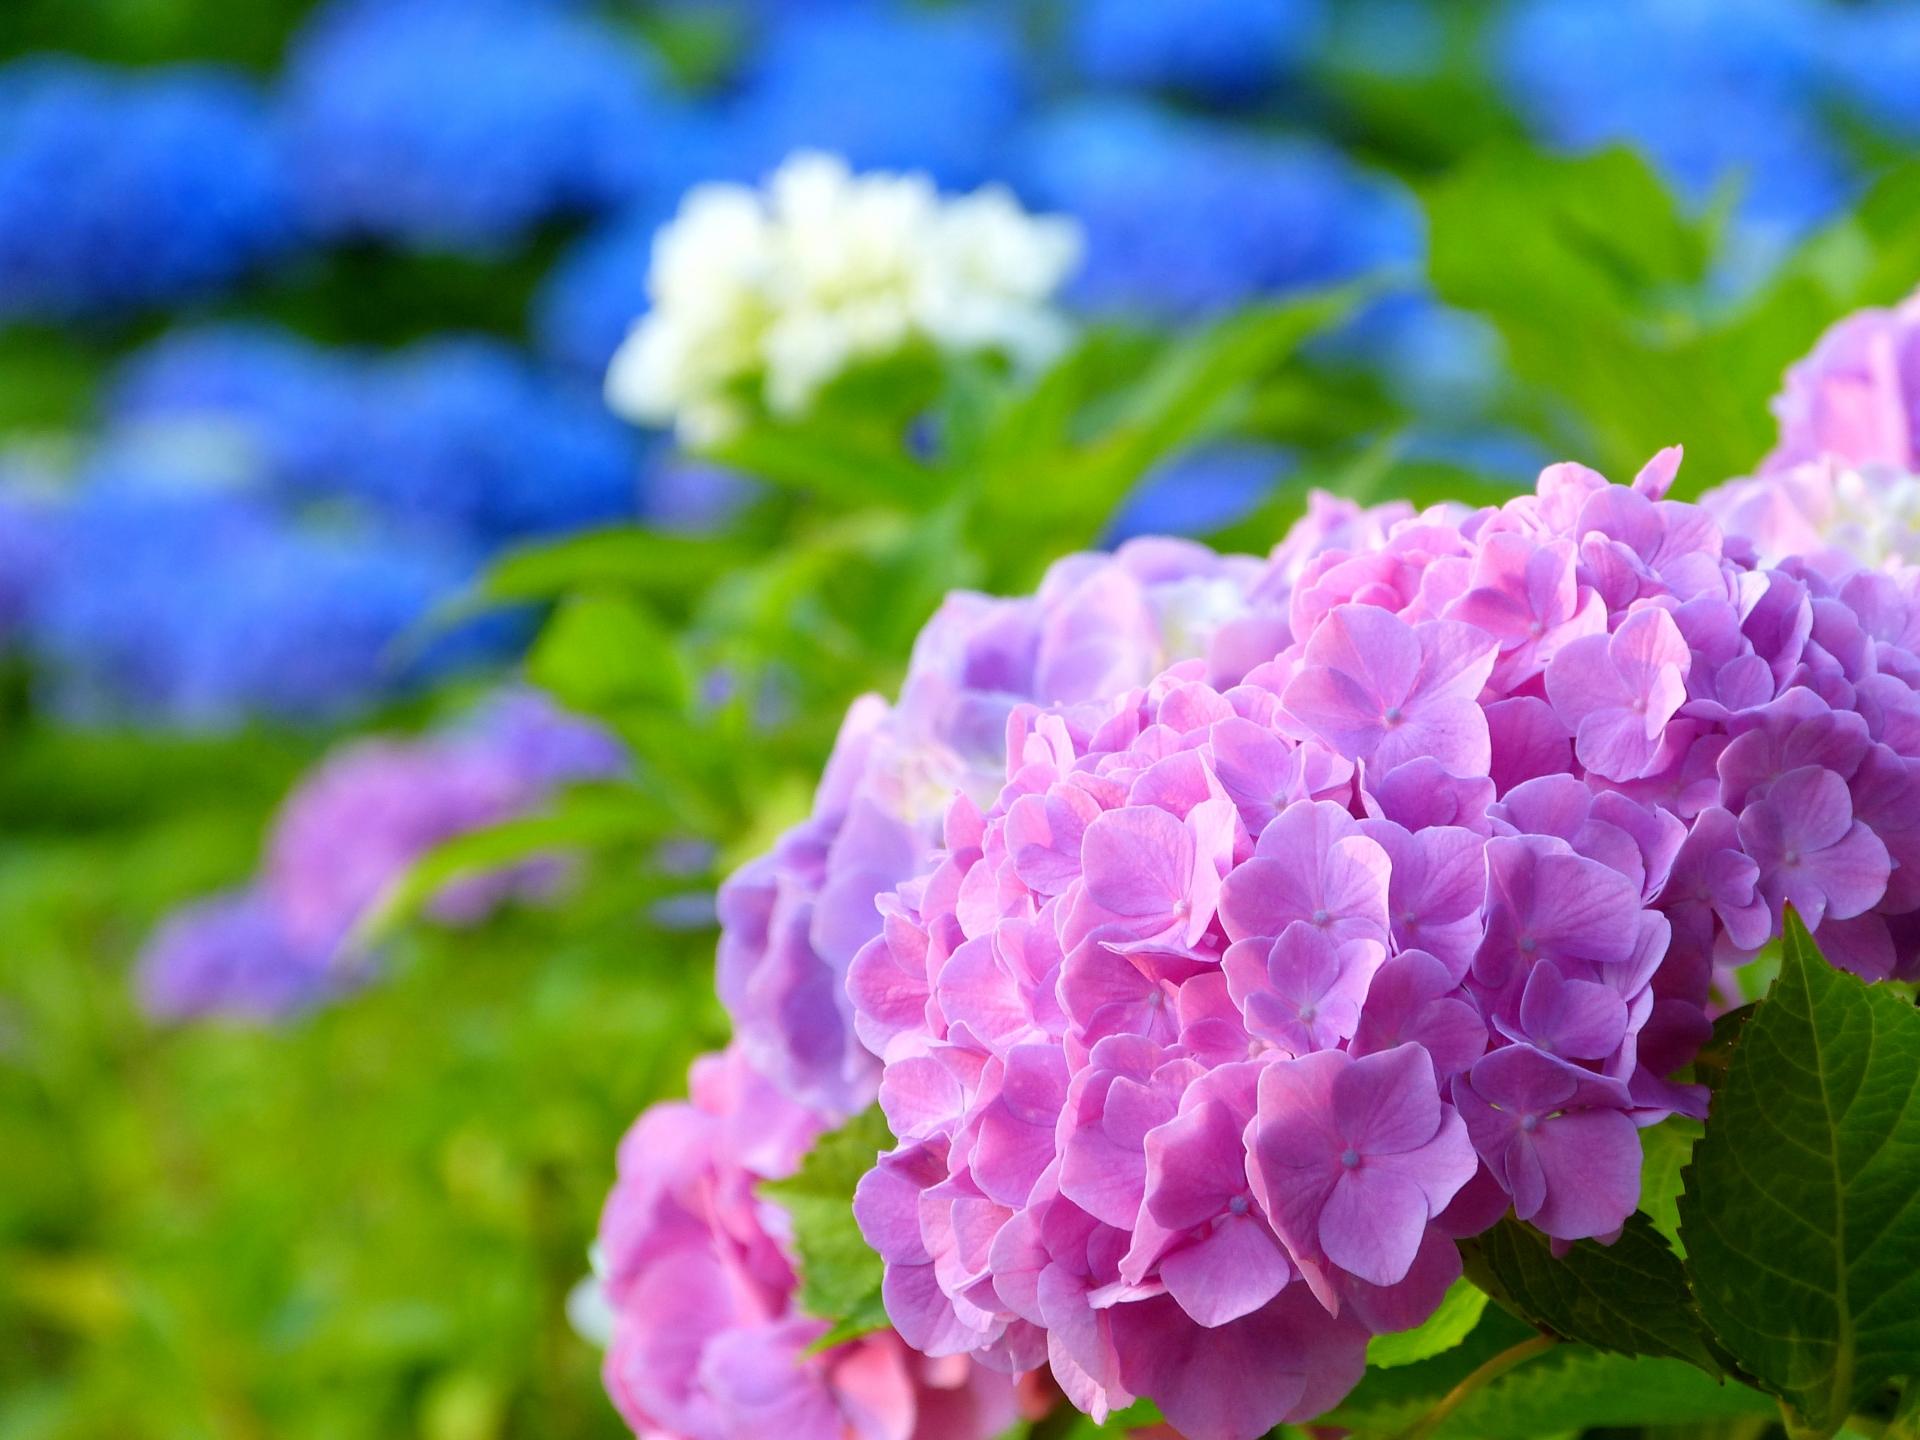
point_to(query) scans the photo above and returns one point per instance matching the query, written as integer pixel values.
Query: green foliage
(1566, 1388)
(1574, 1389)
(1801, 1214)
(1665, 1149)
(1630, 1296)
(1602, 289)
(839, 1276)
(365, 1222)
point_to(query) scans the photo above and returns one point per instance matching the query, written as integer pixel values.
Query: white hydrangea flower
(768, 295)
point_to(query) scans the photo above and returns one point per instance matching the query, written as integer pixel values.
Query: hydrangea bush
(1242, 950)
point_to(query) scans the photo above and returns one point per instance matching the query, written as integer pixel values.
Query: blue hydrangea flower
(1183, 217)
(591, 297)
(1224, 50)
(1202, 490)
(888, 89)
(121, 190)
(1874, 54)
(462, 124)
(459, 442)
(280, 405)
(1712, 90)
(181, 598)
(1437, 361)
(28, 547)
(464, 437)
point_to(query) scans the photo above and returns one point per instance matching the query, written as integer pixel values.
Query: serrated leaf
(1664, 1150)
(1801, 1212)
(1447, 1327)
(1629, 1297)
(839, 1276)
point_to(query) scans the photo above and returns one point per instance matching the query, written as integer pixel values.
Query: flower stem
(1489, 1371)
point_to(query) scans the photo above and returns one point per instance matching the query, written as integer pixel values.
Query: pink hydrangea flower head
(792, 921)
(1856, 398)
(1243, 992)
(707, 1342)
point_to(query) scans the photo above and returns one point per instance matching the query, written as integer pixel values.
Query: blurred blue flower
(691, 496)
(593, 294)
(121, 190)
(1224, 50)
(1711, 90)
(464, 437)
(275, 404)
(1202, 490)
(1436, 361)
(1183, 217)
(28, 546)
(462, 124)
(454, 441)
(180, 598)
(888, 89)
(1874, 52)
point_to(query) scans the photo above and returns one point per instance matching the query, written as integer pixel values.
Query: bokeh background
(304, 310)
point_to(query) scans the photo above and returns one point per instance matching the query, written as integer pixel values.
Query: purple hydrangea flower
(350, 831)
(793, 921)
(694, 1265)
(1237, 996)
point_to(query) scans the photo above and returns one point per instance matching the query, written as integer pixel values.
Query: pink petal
(1232, 1271)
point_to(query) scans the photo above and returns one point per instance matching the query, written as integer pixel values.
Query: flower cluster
(351, 830)
(1247, 993)
(171, 598)
(121, 190)
(792, 921)
(463, 124)
(887, 87)
(1225, 50)
(456, 441)
(1843, 485)
(707, 1342)
(1856, 398)
(1186, 217)
(265, 523)
(775, 294)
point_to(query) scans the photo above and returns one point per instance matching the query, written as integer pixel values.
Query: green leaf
(1447, 1327)
(1573, 1389)
(602, 652)
(1664, 1151)
(622, 557)
(1801, 1212)
(833, 463)
(1630, 1296)
(839, 1275)
(1566, 1389)
(581, 818)
(1054, 474)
